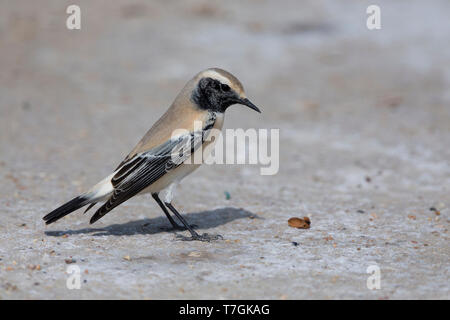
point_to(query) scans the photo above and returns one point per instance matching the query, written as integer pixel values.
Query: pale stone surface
(364, 152)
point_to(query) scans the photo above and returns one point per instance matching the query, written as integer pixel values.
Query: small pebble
(436, 212)
(195, 254)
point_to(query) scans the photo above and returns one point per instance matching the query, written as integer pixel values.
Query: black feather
(65, 209)
(90, 206)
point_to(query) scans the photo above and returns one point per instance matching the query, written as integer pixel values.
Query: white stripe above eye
(217, 76)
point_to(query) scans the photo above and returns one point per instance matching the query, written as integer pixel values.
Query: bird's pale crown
(224, 77)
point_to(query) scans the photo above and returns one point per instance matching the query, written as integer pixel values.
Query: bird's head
(217, 89)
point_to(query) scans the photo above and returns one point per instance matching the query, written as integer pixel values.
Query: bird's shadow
(202, 220)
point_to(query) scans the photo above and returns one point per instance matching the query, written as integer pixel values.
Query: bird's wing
(143, 169)
(178, 116)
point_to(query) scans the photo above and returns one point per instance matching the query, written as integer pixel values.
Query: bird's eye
(215, 85)
(225, 87)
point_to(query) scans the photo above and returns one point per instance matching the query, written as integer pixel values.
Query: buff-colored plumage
(182, 114)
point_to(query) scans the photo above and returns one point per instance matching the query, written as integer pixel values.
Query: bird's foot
(197, 237)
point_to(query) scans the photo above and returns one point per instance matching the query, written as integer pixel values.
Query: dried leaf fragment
(299, 223)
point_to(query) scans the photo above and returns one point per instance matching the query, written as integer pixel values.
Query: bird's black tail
(66, 208)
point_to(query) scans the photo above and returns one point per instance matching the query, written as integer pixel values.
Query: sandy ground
(364, 119)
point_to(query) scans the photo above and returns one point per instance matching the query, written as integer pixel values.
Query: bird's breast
(212, 136)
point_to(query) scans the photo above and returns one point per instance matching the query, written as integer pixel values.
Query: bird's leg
(172, 222)
(194, 235)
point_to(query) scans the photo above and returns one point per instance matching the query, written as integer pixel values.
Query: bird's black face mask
(213, 95)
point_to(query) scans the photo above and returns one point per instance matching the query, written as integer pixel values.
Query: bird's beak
(249, 104)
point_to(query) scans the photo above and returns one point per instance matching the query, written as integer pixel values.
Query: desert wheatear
(151, 166)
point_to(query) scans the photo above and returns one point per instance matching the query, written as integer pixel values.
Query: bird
(151, 167)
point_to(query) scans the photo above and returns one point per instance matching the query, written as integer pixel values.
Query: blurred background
(364, 121)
